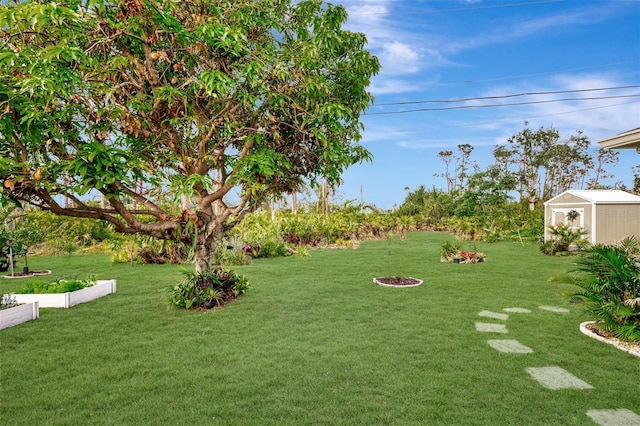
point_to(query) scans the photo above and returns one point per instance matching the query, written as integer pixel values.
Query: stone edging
(29, 275)
(612, 341)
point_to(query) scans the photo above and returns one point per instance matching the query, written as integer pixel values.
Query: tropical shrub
(231, 252)
(144, 249)
(609, 281)
(209, 289)
(471, 256)
(563, 237)
(51, 234)
(450, 251)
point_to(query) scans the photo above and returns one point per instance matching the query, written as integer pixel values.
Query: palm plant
(609, 281)
(562, 238)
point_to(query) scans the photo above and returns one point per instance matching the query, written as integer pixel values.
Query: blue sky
(455, 49)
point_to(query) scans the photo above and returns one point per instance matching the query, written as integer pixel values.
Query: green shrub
(609, 281)
(449, 250)
(58, 286)
(231, 253)
(453, 250)
(207, 290)
(271, 248)
(548, 247)
(563, 237)
(53, 234)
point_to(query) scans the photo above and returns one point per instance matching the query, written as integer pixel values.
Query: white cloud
(557, 21)
(391, 86)
(371, 18)
(399, 58)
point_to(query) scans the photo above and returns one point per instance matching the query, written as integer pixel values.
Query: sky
(448, 50)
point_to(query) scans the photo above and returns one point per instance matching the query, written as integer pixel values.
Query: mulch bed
(28, 275)
(397, 281)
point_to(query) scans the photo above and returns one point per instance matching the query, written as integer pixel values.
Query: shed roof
(602, 196)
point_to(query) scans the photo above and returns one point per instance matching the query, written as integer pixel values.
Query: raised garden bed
(19, 314)
(67, 300)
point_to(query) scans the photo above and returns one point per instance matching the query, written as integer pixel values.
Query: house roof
(628, 139)
(602, 196)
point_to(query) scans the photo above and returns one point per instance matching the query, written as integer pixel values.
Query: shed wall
(568, 198)
(615, 222)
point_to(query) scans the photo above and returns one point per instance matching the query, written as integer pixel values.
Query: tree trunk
(206, 245)
(294, 203)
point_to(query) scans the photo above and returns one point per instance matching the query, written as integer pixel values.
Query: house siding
(615, 222)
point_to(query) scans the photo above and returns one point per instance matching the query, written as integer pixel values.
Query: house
(626, 140)
(608, 216)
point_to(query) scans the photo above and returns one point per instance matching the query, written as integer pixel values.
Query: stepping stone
(509, 346)
(491, 327)
(494, 315)
(557, 378)
(517, 310)
(555, 309)
(619, 417)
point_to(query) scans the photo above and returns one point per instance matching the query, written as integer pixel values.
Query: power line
(502, 105)
(529, 118)
(483, 123)
(480, 98)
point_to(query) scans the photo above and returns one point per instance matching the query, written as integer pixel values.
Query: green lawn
(314, 341)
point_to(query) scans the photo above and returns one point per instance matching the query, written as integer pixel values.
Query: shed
(607, 216)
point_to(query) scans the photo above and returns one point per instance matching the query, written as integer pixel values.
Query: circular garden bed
(397, 281)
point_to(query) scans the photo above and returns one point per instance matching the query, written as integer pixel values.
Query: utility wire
(484, 123)
(507, 120)
(480, 98)
(501, 105)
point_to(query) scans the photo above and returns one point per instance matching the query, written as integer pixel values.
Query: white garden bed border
(18, 315)
(615, 342)
(67, 300)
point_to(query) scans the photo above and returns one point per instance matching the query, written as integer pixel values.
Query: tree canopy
(224, 102)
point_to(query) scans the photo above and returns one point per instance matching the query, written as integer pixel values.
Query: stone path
(550, 377)
(494, 315)
(490, 327)
(620, 417)
(557, 378)
(554, 309)
(509, 346)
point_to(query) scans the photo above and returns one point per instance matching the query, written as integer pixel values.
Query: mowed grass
(314, 341)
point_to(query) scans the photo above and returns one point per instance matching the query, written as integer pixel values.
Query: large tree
(544, 164)
(229, 102)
